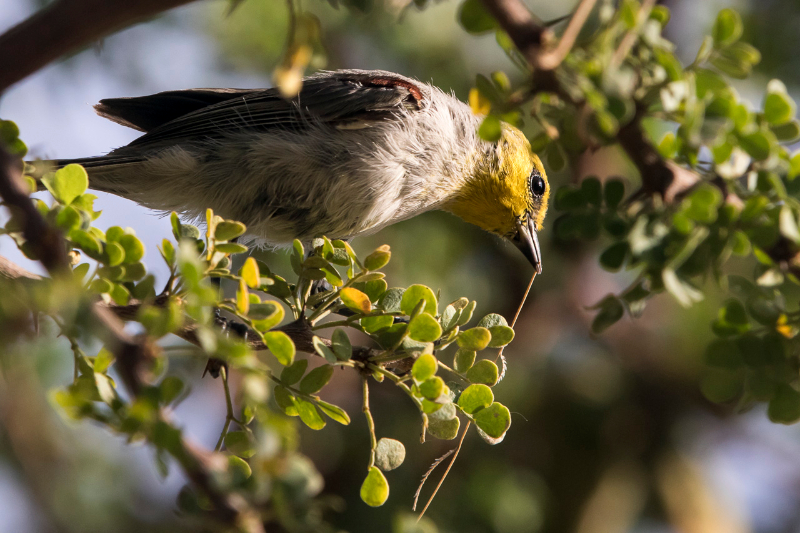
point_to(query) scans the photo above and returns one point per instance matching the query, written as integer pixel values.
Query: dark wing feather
(145, 113)
(335, 98)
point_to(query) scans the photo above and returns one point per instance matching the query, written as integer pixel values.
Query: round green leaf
(613, 257)
(231, 248)
(475, 339)
(432, 388)
(444, 429)
(316, 379)
(323, 350)
(115, 253)
(67, 183)
(134, 249)
(378, 259)
(613, 192)
(424, 368)
(389, 454)
(611, 310)
(474, 17)
(463, 360)
(490, 129)
(756, 144)
(494, 420)
(240, 443)
(266, 315)
(390, 301)
(424, 328)
(475, 397)
(228, 230)
(501, 336)
(239, 470)
(491, 320)
(413, 295)
(356, 300)
(375, 489)
(484, 371)
(281, 346)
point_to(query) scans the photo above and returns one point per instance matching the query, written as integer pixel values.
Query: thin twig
(229, 406)
(630, 37)
(453, 460)
(553, 58)
(427, 474)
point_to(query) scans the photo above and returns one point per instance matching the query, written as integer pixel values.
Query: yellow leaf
(250, 273)
(355, 300)
(242, 298)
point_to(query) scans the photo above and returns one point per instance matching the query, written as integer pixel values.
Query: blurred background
(609, 434)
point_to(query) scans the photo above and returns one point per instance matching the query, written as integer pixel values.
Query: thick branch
(64, 27)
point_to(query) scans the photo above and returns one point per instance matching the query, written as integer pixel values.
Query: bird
(354, 151)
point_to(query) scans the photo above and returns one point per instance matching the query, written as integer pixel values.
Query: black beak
(528, 243)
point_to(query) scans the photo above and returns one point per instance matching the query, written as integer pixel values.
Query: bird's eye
(537, 185)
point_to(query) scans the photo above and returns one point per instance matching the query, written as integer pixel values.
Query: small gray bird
(353, 152)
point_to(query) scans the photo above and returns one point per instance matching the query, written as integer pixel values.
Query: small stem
(229, 404)
(453, 372)
(370, 422)
(453, 460)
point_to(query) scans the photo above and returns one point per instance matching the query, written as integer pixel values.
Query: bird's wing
(145, 113)
(341, 99)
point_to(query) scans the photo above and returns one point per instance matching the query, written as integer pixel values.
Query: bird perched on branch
(353, 152)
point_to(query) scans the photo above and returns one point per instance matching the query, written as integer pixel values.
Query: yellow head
(507, 194)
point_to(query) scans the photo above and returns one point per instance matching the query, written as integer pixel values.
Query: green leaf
(720, 385)
(134, 249)
(444, 429)
(378, 259)
(490, 129)
(611, 310)
(86, 242)
(285, 401)
(375, 489)
(424, 368)
(475, 397)
(412, 296)
(491, 320)
(281, 346)
(322, 349)
(501, 336)
(424, 328)
(292, 373)
(727, 28)
(432, 388)
(228, 230)
(494, 420)
(115, 253)
(340, 344)
(169, 389)
(592, 190)
(466, 313)
(613, 193)
(334, 412)
(239, 469)
(784, 407)
(389, 454)
(67, 183)
(614, 256)
(475, 339)
(464, 359)
(483, 372)
(266, 315)
(231, 248)
(474, 17)
(756, 144)
(356, 300)
(309, 414)
(240, 443)
(316, 379)
(779, 107)
(371, 324)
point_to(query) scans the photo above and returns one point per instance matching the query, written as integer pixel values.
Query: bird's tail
(101, 170)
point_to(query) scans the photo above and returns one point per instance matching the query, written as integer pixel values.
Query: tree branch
(64, 27)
